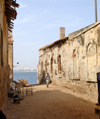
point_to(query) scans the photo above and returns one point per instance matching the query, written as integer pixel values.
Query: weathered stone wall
(10, 54)
(4, 67)
(10, 60)
(7, 8)
(74, 64)
(4, 87)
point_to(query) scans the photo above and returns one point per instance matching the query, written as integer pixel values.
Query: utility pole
(95, 10)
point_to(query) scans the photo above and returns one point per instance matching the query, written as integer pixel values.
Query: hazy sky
(38, 23)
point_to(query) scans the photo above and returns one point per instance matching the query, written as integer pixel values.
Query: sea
(30, 76)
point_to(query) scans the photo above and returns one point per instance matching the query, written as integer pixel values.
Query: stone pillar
(61, 32)
(10, 54)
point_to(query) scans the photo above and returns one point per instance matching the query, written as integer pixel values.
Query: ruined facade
(73, 61)
(7, 14)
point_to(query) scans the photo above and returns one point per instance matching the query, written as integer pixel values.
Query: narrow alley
(52, 103)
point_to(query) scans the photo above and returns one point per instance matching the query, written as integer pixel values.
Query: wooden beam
(11, 15)
(10, 27)
(8, 3)
(11, 11)
(10, 8)
(12, 3)
(9, 30)
(10, 24)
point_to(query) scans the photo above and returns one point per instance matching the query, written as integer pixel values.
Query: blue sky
(38, 23)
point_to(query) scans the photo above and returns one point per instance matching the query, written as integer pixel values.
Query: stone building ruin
(73, 61)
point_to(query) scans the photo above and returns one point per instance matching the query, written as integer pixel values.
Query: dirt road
(52, 103)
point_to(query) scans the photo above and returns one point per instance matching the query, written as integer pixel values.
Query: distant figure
(47, 79)
(17, 62)
(2, 116)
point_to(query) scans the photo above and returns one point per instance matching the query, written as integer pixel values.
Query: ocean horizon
(30, 76)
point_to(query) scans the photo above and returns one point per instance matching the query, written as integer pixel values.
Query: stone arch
(91, 62)
(91, 49)
(59, 64)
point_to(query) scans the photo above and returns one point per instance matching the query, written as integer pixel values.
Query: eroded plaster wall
(79, 59)
(4, 67)
(10, 54)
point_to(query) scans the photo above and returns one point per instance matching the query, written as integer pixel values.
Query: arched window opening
(59, 64)
(74, 53)
(51, 65)
(46, 66)
(91, 62)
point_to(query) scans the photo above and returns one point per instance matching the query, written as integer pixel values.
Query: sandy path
(52, 103)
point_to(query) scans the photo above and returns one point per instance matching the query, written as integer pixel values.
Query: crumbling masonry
(7, 15)
(73, 61)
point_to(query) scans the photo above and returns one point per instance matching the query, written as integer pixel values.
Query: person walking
(47, 79)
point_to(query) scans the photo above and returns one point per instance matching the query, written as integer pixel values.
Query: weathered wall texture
(74, 61)
(10, 54)
(4, 67)
(7, 14)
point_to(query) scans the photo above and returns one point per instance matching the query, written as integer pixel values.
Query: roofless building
(73, 61)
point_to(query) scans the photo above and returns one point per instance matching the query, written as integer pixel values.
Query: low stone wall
(84, 87)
